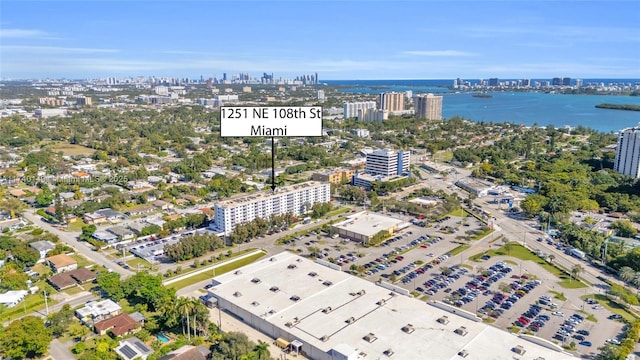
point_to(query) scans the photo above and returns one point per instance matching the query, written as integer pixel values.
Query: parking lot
(511, 293)
(520, 296)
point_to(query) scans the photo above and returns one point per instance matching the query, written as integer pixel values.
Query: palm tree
(576, 270)
(262, 350)
(636, 281)
(551, 258)
(185, 309)
(626, 274)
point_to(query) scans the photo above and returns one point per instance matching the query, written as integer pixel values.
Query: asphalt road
(71, 239)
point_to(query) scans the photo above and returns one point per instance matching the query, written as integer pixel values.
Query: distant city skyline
(338, 40)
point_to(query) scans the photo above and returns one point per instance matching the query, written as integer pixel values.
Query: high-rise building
(351, 109)
(294, 199)
(320, 95)
(372, 114)
(493, 82)
(392, 101)
(627, 160)
(387, 162)
(428, 106)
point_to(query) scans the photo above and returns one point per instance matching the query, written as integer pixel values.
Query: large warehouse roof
(336, 312)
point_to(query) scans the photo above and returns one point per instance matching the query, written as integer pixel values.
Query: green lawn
(82, 261)
(74, 290)
(218, 271)
(133, 263)
(337, 211)
(520, 252)
(558, 295)
(612, 306)
(31, 303)
(76, 225)
(458, 249)
(459, 212)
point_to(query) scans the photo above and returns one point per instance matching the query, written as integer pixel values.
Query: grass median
(230, 266)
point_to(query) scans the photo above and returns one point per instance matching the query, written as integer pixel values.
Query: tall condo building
(351, 109)
(392, 101)
(387, 162)
(627, 160)
(292, 198)
(428, 106)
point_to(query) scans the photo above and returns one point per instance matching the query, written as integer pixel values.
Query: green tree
(60, 321)
(111, 285)
(626, 274)
(624, 228)
(25, 338)
(576, 270)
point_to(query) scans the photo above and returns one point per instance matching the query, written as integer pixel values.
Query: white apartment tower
(351, 109)
(292, 198)
(387, 162)
(392, 101)
(627, 160)
(428, 106)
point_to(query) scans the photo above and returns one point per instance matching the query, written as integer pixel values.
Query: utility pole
(46, 304)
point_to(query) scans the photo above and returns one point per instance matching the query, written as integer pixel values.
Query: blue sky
(337, 39)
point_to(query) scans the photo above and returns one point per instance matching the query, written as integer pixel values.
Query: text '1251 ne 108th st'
(270, 121)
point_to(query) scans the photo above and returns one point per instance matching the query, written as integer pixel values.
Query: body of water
(525, 108)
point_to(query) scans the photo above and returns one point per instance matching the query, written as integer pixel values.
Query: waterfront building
(351, 109)
(372, 115)
(627, 159)
(295, 199)
(428, 106)
(392, 101)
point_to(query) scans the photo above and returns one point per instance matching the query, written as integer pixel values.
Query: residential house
(163, 205)
(13, 297)
(71, 278)
(137, 227)
(105, 236)
(61, 263)
(111, 215)
(95, 311)
(121, 324)
(43, 247)
(140, 210)
(11, 224)
(132, 348)
(94, 218)
(121, 233)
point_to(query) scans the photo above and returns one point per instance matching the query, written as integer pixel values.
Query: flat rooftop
(263, 195)
(335, 310)
(367, 223)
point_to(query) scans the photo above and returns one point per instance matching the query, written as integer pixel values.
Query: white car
(558, 313)
(613, 341)
(598, 307)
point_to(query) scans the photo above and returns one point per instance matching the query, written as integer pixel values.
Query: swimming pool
(162, 337)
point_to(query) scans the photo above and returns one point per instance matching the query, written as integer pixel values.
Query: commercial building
(350, 110)
(335, 176)
(392, 101)
(363, 226)
(387, 162)
(627, 159)
(366, 181)
(428, 106)
(327, 314)
(287, 199)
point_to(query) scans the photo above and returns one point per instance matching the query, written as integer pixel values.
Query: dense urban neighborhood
(130, 228)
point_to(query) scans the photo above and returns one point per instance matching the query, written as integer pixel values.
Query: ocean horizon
(527, 108)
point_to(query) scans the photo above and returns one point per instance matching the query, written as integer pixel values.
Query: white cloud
(54, 49)
(438, 53)
(22, 33)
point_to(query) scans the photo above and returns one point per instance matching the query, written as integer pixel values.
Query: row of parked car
(442, 281)
(568, 329)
